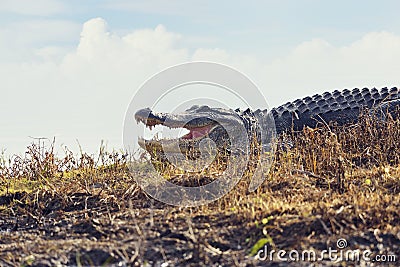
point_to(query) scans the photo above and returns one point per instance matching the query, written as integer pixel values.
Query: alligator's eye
(194, 107)
(203, 109)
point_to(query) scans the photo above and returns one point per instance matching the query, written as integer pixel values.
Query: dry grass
(88, 211)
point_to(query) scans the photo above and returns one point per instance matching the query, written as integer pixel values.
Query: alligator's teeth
(141, 141)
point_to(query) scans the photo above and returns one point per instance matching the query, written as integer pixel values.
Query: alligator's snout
(147, 117)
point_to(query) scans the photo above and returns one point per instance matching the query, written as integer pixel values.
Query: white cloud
(373, 61)
(29, 7)
(105, 57)
(84, 94)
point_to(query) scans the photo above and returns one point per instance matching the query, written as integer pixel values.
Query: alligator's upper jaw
(198, 127)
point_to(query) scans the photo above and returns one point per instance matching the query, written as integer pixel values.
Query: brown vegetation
(88, 211)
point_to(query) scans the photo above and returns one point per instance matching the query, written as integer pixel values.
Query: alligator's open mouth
(198, 127)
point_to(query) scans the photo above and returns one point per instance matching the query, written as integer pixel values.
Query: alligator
(221, 125)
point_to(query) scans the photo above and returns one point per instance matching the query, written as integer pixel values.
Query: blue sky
(262, 27)
(71, 67)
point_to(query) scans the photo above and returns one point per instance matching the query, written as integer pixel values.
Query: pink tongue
(197, 132)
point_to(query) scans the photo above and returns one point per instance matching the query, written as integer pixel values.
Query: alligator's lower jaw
(160, 146)
(177, 146)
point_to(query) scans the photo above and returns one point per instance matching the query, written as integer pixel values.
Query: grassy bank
(87, 210)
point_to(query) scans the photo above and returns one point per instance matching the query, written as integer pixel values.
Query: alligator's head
(202, 122)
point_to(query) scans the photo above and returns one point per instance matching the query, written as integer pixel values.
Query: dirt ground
(102, 229)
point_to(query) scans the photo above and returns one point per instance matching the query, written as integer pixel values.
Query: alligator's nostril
(142, 111)
(142, 114)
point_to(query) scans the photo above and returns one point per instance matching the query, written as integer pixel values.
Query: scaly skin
(223, 125)
(342, 107)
